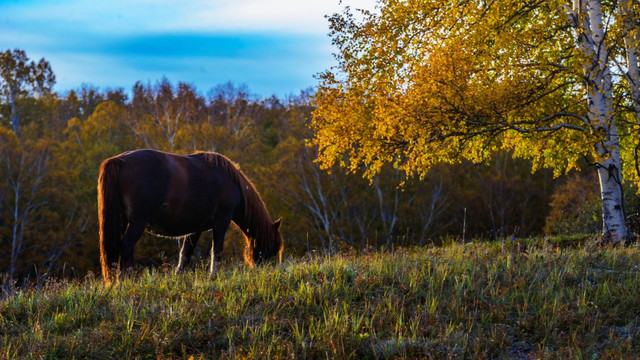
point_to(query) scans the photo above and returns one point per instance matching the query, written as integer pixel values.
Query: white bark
(631, 41)
(15, 116)
(433, 209)
(388, 212)
(631, 70)
(586, 17)
(25, 178)
(315, 199)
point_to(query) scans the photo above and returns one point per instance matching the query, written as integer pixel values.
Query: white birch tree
(429, 81)
(23, 168)
(586, 17)
(20, 78)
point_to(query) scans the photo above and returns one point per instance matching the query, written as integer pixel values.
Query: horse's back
(146, 170)
(176, 194)
(143, 181)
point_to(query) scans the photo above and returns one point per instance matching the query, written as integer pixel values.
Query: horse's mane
(255, 211)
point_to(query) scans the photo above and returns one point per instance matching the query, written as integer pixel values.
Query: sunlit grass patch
(481, 300)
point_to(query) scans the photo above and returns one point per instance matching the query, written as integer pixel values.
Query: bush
(575, 206)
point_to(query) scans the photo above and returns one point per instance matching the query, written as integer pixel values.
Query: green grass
(521, 300)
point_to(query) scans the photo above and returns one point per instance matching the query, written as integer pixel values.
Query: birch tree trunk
(15, 116)
(586, 18)
(26, 171)
(631, 35)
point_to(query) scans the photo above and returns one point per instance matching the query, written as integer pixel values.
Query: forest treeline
(49, 166)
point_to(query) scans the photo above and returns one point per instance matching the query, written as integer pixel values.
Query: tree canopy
(20, 79)
(421, 82)
(48, 175)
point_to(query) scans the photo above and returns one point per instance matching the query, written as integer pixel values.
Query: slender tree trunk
(613, 219)
(388, 213)
(586, 17)
(15, 117)
(631, 73)
(26, 171)
(631, 41)
(16, 238)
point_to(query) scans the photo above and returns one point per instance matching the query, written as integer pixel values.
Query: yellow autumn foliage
(420, 82)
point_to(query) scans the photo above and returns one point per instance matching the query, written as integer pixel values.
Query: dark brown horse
(179, 196)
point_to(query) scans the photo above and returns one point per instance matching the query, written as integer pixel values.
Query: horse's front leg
(219, 231)
(186, 250)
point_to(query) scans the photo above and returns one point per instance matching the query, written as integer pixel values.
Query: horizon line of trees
(51, 146)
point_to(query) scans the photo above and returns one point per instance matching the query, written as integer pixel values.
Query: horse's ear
(277, 223)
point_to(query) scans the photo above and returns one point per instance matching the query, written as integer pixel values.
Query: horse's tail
(109, 216)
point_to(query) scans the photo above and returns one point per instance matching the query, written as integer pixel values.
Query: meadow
(519, 299)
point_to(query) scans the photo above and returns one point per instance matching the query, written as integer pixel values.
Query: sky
(275, 47)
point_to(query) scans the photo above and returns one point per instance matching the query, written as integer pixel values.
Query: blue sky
(272, 46)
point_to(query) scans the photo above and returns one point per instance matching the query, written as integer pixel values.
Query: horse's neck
(249, 222)
(241, 218)
(242, 223)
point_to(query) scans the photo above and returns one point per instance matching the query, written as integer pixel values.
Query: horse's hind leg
(131, 236)
(186, 250)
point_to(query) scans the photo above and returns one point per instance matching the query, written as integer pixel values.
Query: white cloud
(125, 16)
(299, 16)
(90, 41)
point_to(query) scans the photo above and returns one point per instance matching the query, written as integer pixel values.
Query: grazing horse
(179, 196)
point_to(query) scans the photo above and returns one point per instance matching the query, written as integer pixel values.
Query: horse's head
(268, 245)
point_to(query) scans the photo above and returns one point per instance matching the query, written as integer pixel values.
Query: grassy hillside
(524, 299)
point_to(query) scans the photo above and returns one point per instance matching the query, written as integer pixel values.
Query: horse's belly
(175, 229)
(164, 233)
